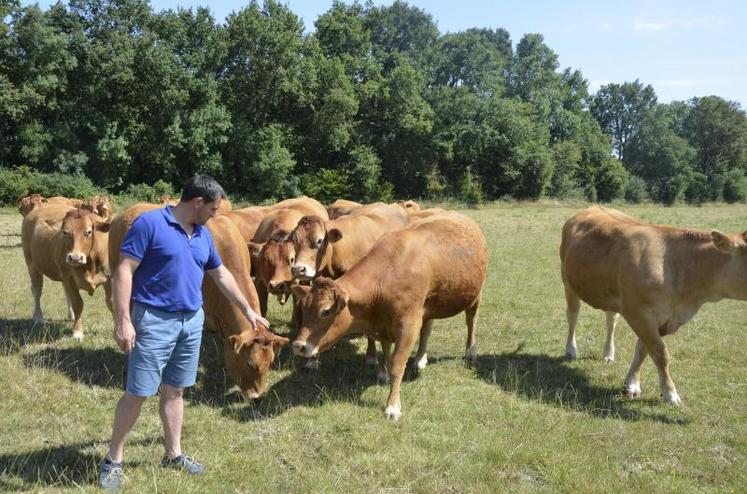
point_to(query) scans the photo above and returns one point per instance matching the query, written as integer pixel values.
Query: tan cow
(247, 354)
(67, 245)
(410, 206)
(342, 207)
(656, 276)
(27, 203)
(432, 269)
(247, 219)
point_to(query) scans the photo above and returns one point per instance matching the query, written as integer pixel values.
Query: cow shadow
(343, 376)
(555, 381)
(104, 367)
(16, 333)
(65, 465)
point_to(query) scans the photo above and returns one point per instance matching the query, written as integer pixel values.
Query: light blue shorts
(167, 349)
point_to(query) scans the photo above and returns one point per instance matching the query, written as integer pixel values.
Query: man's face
(207, 210)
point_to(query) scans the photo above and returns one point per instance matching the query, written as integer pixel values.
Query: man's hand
(255, 318)
(124, 335)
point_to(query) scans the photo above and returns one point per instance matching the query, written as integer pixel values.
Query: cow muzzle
(304, 349)
(302, 271)
(75, 259)
(251, 395)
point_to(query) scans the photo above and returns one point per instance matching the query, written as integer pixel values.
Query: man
(164, 257)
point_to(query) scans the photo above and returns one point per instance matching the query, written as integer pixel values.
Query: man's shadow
(65, 465)
(555, 381)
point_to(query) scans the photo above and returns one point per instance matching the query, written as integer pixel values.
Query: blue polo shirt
(172, 264)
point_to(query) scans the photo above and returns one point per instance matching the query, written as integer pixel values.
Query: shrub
(735, 187)
(326, 185)
(470, 189)
(17, 182)
(635, 190)
(149, 193)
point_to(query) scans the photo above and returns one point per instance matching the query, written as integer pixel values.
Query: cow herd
(387, 271)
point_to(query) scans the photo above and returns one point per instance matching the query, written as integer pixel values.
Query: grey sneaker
(184, 462)
(111, 475)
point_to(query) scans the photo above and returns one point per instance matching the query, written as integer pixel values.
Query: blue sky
(682, 48)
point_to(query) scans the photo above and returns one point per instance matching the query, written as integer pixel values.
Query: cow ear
(255, 248)
(723, 241)
(237, 341)
(334, 235)
(278, 342)
(341, 298)
(103, 226)
(300, 291)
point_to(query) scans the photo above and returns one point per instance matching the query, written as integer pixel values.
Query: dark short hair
(202, 186)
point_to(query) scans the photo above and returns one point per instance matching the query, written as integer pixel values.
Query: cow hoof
(632, 391)
(673, 399)
(38, 320)
(78, 335)
(393, 412)
(570, 354)
(609, 359)
(311, 364)
(471, 354)
(382, 377)
(372, 361)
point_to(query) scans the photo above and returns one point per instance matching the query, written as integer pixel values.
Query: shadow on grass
(555, 381)
(72, 465)
(105, 367)
(15, 333)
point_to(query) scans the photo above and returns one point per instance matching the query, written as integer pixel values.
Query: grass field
(522, 419)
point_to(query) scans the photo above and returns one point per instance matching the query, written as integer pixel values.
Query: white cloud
(674, 23)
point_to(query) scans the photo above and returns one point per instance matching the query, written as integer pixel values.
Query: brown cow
(27, 203)
(342, 207)
(272, 257)
(67, 245)
(247, 354)
(247, 219)
(432, 269)
(410, 206)
(656, 276)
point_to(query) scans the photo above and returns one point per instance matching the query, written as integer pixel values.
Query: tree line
(372, 103)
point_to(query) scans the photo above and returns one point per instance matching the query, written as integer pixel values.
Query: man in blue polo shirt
(164, 257)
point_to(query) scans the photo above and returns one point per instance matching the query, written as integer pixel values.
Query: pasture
(523, 418)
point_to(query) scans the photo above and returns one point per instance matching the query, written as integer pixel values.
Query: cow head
(29, 203)
(310, 240)
(79, 232)
(99, 205)
(248, 356)
(409, 206)
(272, 261)
(326, 316)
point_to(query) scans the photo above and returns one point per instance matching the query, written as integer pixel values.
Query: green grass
(522, 419)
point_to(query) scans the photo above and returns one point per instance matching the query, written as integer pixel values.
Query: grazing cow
(342, 207)
(247, 354)
(655, 276)
(432, 269)
(410, 206)
(67, 245)
(27, 203)
(272, 257)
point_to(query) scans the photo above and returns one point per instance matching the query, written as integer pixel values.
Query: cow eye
(291, 260)
(326, 312)
(319, 241)
(65, 233)
(89, 232)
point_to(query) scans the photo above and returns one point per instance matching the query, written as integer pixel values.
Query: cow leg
(405, 341)
(385, 362)
(70, 313)
(471, 315)
(108, 295)
(648, 332)
(633, 380)
(71, 291)
(573, 306)
(262, 294)
(421, 358)
(37, 283)
(297, 316)
(609, 345)
(371, 358)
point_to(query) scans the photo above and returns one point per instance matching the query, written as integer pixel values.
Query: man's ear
(723, 242)
(245, 338)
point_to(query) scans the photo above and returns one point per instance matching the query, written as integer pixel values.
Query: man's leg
(171, 408)
(125, 415)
